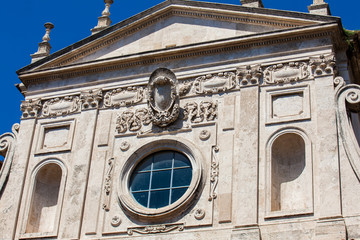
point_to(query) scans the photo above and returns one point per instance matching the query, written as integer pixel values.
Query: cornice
(189, 51)
(277, 18)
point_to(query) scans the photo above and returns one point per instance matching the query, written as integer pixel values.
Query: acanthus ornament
(61, 106)
(286, 73)
(31, 108)
(163, 101)
(91, 99)
(214, 83)
(323, 65)
(133, 120)
(123, 97)
(249, 75)
(197, 113)
(156, 229)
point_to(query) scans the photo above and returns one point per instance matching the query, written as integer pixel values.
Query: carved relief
(199, 214)
(7, 150)
(185, 88)
(91, 99)
(107, 186)
(133, 120)
(30, 108)
(204, 135)
(163, 99)
(61, 106)
(286, 73)
(214, 83)
(249, 75)
(124, 146)
(115, 221)
(123, 96)
(197, 113)
(323, 65)
(214, 173)
(156, 229)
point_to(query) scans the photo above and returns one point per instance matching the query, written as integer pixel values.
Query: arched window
(45, 201)
(290, 188)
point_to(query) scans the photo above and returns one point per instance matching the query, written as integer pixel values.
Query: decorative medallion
(124, 146)
(163, 98)
(61, 106)
(204, 135)
(214, 83)
(199, 214)
(115, 221)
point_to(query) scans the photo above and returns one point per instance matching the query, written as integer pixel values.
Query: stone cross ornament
(163, 99)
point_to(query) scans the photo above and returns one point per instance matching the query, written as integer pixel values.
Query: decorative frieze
(286, 73)
(133, 120)
(31, 108)
(123, 97)
(61, 106)
(323, 65)
(91, 99)
(249, 75)
(155, 229)
(197, 113)
(185, 88)
(215, 83)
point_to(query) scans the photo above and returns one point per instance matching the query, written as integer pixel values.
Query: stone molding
(7, 149)
(347, 98)
(155, 229)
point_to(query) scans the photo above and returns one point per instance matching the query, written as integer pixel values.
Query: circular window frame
(135, 208)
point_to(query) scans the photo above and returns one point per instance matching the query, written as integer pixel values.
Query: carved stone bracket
(214, 173)
(197, 113)
(348, 99)
(107, 185)
(249, 75)
(156, 229)
(133, 121)
(61, 106)
(323, 65)
(31, 108)
(91, 99)
(286, 73)
(7, 149)
(123, 97)
(214, 83)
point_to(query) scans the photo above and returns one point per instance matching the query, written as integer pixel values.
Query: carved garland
(107, 186)
(156, 229)
(214, 173)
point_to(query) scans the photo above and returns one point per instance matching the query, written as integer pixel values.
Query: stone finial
(44, 46)
(103, 21)
(319, 7)
(252, 3)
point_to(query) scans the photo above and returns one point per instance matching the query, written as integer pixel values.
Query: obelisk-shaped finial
(44, 46)
(319, 7)
(103, 21)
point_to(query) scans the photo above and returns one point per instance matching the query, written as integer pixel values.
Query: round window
(161, 179)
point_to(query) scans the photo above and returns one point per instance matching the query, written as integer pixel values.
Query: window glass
(161, 179)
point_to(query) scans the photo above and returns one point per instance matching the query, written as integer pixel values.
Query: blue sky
(23, 27)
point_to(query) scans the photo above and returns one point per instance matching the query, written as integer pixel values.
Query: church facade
(190, 120)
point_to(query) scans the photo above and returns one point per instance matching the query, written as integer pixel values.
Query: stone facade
(261, 103)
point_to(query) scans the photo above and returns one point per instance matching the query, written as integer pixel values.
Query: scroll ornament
(61, 106)
(197, 113)
(123, 97)
(133, 120)
(214, 83)
(155, 229)
(7, 149)
(348, 99)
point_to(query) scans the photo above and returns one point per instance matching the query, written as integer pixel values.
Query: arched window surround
(32, 187)
(308, 207)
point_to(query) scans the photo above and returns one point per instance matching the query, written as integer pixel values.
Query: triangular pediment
(175, 24)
